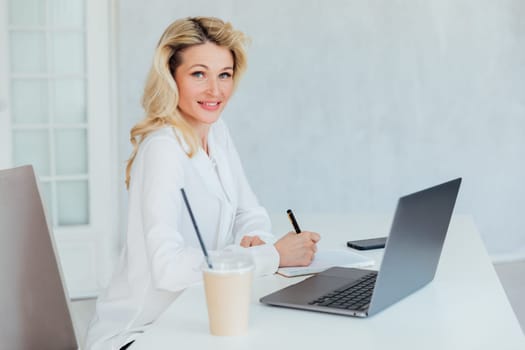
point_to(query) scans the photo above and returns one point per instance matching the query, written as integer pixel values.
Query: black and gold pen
(293, 221)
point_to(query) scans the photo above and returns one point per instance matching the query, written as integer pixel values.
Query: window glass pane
(70, 101)
(47, 200)
(29, 101)
(32, 147)
(68, 13)
(71, 151)
(72, 200)
(28, 53)
(67, 52)
(26, 12)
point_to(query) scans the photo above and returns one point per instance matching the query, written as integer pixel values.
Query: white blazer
(162, 255)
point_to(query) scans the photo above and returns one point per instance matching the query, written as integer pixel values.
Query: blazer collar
(205, 165)
(219, 157)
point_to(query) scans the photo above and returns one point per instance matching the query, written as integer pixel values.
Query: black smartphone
(367, 244)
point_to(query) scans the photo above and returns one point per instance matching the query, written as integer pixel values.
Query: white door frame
(87, 253)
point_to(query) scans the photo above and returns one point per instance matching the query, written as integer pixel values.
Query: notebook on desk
(410, 261)
(325, 259)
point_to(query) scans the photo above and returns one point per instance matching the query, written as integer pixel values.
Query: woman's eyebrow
(206, 67)
(199, 65)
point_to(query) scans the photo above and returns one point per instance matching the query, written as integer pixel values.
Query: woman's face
(205, 82)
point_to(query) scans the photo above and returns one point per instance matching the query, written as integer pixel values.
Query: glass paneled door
(54, 99)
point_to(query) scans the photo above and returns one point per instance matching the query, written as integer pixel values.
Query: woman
(182, 143)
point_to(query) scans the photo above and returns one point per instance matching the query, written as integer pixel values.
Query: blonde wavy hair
(161, 95)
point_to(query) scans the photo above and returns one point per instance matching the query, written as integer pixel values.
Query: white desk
(465, 307)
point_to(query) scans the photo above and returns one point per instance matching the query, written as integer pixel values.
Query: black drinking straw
(196, 229)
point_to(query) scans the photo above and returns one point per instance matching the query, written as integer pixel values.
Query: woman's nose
(213, 86)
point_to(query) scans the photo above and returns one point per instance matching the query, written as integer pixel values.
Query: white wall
(349, 104)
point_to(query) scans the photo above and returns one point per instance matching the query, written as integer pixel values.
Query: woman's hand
(251, 241)
(297, 249)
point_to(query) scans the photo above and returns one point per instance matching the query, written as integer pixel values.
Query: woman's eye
(198, 75)
(225, 75)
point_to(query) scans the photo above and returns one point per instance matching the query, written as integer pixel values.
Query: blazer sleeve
(250, 217)
(174, 265)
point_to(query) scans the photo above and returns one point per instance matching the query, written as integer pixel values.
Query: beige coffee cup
(228, 293)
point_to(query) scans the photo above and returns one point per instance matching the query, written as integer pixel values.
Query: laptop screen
(35, 312)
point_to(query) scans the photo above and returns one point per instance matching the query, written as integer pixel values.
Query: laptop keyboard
(355, 296)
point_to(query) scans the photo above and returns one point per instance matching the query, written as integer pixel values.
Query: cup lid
(230, 262)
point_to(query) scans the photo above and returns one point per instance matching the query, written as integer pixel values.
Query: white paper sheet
(325, 259)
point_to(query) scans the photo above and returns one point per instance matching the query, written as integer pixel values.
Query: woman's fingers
(251, 241)
(297, 249)
(245, 241)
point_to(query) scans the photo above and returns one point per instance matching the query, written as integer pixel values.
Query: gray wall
(348, 104)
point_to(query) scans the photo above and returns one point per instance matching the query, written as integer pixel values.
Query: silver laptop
(35, 310)
(410, 260)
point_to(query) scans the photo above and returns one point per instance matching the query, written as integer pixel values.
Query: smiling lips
(209, 106)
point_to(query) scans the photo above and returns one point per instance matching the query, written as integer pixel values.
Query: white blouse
(162, 255)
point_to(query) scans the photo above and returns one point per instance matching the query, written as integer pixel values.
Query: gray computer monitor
(33, 302)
